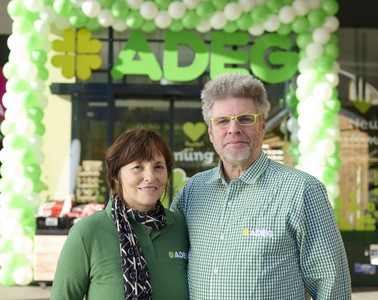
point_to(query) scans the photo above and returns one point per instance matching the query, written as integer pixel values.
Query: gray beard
(243, 158)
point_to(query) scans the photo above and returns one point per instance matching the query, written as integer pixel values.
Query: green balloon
(331, 7)
(324, 63)
(39, 57)
(42, 73)
(17, 85)
(134, 19)
(162, 4)
(219, 4)
(6, 245)
(39, 128)
(284, 29)
(33, 171)
(332, 105)
(176, 26)
(6, 277)
(29, 99)
(119, 9)
(150, 26)
(26, 217)
(274, 5)
(6, 185)
(105, 3)
(335, 93)
(316, 17)
(77, 18)
(328, 176)
(33, 42)
(10, 70)
(244, 21)
(16, 9)
(7, 127)
(35, 114)
(328, 118)
(333, 39)
(62, 7)
(331, 50)
(205, 10)
(190, 20)
(291, 99)
(259, 14)
(27, 156)
(38, 186)
(230, 27)
(300, 25)
(92, 24)
(16, 201)
(333, 162)
(16, 141)
(304, 39)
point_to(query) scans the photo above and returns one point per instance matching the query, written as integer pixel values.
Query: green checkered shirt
(269, 234)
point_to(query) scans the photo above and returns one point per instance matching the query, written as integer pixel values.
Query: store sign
(269, 58)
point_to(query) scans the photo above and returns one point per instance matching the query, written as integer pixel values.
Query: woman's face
(143, 183)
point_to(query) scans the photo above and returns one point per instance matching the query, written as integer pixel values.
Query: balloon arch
(313, 122)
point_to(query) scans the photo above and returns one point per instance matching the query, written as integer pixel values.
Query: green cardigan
(90, 261)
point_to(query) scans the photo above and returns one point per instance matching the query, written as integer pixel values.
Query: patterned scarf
(136, 277)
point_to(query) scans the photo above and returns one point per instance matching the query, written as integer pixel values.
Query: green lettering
(286, 62)
(220, 57)
(172, 70)
(146, 65)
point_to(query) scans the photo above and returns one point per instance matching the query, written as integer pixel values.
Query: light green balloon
(316, 17)
(7, 127)
(176, 26)
(149, 26)
(39, 57)
(33, 42)
(219, 4)
(33, 171)
(324, 63)
(35, 114)
(22, 25)
(331, 7)
(16, 201)
(331, 50)
(162, 4)
(304, 39)
(105, 3)
(230, 27)
(92, 24)
(43, 73)
(134, 19)
(190, 19)
(17, 85)
(205, 10)
(16, 9)
(244, 21)
(274, 5)
(119, 9)
(77, 18)
(40, 128)
(10, 70)
(27, 156)
(284, 29)
(29, 99)
(38, 186)
(300, 25)
(259, 14)
(62, 7)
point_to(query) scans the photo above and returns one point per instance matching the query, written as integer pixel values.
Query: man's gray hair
(234, 85)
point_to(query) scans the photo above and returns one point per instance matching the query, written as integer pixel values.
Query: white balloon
(33, 200)
(323, 91)
(191, 4)
(47, 14)
(13, 41)
(8, 98)
(336, 67)
(301, 7)
(331, 23)
(203, 26)
(163, 19)
(23, 275)
(218, 20)
(33, 5)
(23, 244)
(22, 185)
(246, 5)
(314, 50)
(42, 101)
(232, 11)
(25, 127)
(256, 29)
(35, 141)
(5, 154)
(77, 3)
(39, 157)
(91, 8)
(321, 35)
(272, 24)
(119, 25)
(37, 85)
(176, 10)
(314, 3)
(333, 190)
(11, 170)
(135, 4)
(305, 64)
(149, 10)
(333, 133)
(105, 18)
(333, 79)
(46, 45)
(292, 125)
(286, 14)
(27, 70)
(62, 23)
(325, 147)
(42, 27)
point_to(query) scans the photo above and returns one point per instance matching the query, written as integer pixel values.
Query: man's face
(237, 145)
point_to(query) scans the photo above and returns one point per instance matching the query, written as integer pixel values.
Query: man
(257, 229)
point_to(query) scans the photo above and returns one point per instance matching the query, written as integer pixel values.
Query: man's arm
(323, 259)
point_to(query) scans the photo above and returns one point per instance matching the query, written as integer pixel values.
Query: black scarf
(136, 277)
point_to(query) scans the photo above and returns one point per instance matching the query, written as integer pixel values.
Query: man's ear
(209, 131)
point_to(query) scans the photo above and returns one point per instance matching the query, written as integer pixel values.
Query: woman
(134, 249)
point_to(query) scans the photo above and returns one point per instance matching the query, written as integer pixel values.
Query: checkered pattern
(269, 234)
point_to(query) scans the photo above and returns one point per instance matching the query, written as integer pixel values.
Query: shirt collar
(250, 176)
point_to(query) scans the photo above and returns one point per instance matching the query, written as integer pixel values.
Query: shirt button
(222, 237)
(148, 249)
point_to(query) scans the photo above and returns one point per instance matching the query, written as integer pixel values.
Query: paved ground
(38, 293)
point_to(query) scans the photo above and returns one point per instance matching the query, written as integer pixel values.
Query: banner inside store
(313, 99)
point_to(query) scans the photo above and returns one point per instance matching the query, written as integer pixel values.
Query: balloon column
(313, 124)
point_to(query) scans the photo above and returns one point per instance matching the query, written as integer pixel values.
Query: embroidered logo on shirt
(266, 233)
(178, 254)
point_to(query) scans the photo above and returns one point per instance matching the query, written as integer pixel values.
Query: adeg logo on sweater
(178, 254)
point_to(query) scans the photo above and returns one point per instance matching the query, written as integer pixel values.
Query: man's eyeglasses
(242, 120)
